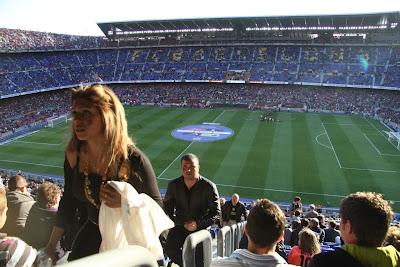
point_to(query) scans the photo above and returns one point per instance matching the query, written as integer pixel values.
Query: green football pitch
(321, 157)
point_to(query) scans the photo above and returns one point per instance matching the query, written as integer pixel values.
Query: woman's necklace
(123, 174)
(86, 181)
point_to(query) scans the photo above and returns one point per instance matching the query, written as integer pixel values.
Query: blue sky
(80, 16)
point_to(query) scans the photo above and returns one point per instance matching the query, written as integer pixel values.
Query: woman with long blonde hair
(308, 246)
(99, 150)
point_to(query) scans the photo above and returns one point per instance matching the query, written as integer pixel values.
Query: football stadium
(273, 107)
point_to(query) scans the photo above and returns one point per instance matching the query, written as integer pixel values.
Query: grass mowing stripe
(280, 171)
(252, 152)
(157, 126)
(231, 164)
(305, 170)
(258, 159)
(220, 148)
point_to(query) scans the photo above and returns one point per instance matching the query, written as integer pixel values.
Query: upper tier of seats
(358, 66)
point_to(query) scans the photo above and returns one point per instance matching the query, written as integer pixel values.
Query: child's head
(3, 207)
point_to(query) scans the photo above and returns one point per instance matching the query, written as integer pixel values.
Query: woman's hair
(308, 242)
(3, 199)
(48, 195)
(113, 118)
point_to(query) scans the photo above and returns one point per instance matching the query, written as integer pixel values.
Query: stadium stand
(346, 66)
(336, 64)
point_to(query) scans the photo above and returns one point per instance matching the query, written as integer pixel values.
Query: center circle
(206, 132)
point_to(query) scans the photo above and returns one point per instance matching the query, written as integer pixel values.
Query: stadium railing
(238, 231)
(224, 242)
(189, 248)
(229, 238)
(122, 257)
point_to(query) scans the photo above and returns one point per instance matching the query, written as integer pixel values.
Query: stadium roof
(321, 22)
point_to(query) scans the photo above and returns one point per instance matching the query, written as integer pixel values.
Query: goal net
(394, 138)
(51, 122)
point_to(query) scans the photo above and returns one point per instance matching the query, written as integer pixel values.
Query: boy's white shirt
(139, 221)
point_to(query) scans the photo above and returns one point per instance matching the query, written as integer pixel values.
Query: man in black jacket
(233, 211)
(192, 202)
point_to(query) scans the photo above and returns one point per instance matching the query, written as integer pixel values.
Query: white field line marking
(337, 159)
(276, 190)
(382, 154)
(174, 160)
(158, 177)
(349, 168)
(391, 155)
(37, 143)
(372, 170)
(377, 150)
(12, 140)
(30, 163)
(380, 132)
(219, 116)
(316, 139)
(344, 124)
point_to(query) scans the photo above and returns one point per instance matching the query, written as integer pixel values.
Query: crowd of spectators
(307, 230)
(36, 108)
(346, 66)
(17, 40)
(28, 110)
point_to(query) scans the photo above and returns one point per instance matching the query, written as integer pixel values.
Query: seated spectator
(393, 237)
(331, 233)
(365, 220)
(19, 204)
(13, 251)
(296, 228)
(321, 220)
(42, 215)
(320, 233)
(311, 212)
(264, 229)
(288, 235)
(296, 205)
(233, 211)
(296, 216)
(222, 202)
(308, 246)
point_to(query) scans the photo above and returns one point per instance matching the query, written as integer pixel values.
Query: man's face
(235, 199)
(347, 233)
(190, 169)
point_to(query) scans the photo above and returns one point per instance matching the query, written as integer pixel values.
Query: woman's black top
(74, 198)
